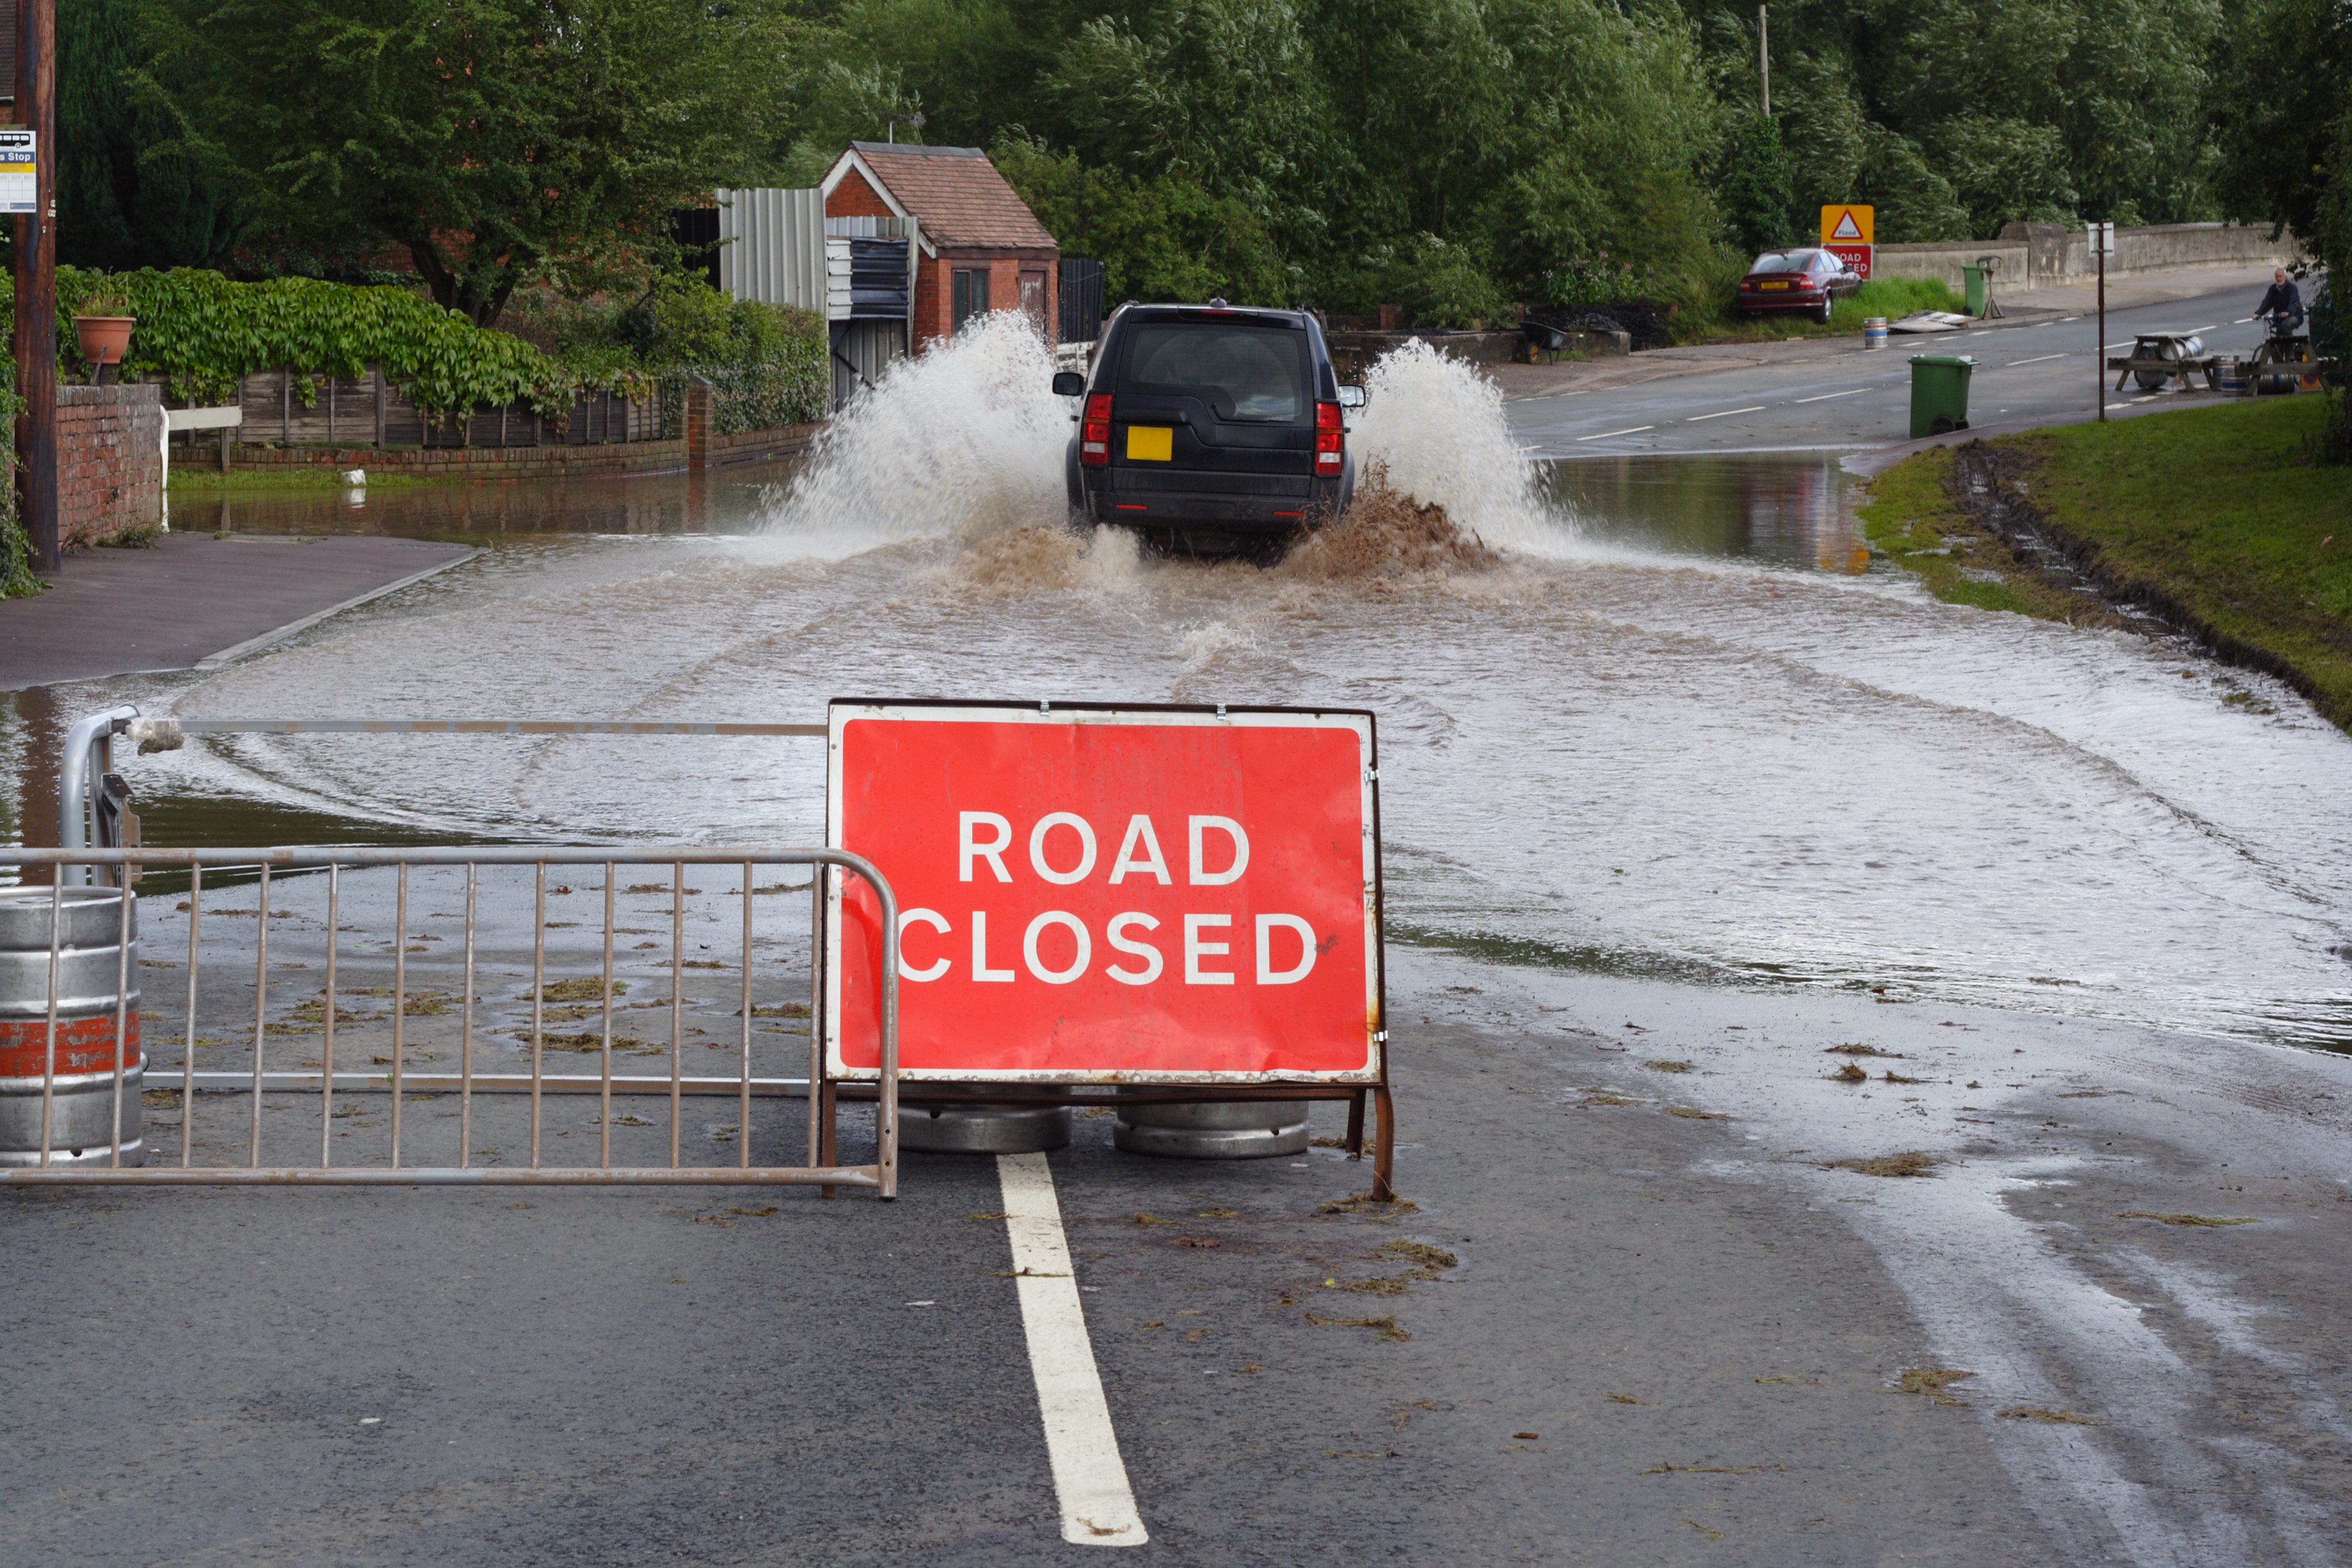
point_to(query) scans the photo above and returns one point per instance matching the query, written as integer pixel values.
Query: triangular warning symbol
(1847, 227)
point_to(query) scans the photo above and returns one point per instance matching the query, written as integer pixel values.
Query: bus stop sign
(1106, 894)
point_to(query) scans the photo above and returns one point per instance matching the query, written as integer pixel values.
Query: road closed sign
(1090, 894)
(1847, 234)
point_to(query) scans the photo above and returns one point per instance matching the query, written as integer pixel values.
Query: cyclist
(2282, 306)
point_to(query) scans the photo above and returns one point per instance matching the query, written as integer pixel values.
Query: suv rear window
(1241, 373)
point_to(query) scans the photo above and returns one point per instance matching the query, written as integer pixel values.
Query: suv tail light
(1329, 439)
(1093, 435)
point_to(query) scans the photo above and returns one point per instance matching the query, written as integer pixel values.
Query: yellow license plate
(1772, 285)
(1151, 444)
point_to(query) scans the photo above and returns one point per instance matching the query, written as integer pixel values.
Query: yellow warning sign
(1846, 226)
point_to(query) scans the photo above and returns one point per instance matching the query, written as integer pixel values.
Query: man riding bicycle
(2282, 306)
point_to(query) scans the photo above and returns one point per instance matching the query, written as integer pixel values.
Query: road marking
(1723, 413)
(2209, 327)
(1636, 430)
(2241, 321)
(2121, 343)
(1825, 396)
(1089, 1477)
(2014, 363)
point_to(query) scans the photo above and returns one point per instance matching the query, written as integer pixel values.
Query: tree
(494, 142)
(119, 205)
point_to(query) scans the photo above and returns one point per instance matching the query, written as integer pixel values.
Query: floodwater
(1684, 729)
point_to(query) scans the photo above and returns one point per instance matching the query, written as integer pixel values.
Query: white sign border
(843, 712)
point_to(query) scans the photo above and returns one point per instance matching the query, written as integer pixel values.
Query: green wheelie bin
(1939, 393)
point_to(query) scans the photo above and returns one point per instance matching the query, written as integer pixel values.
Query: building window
(971, 296)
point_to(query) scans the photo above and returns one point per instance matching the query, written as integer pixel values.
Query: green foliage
(119, 204)
(496, 141)
(203, 333)
(1756, 186)
(1163, 237)
(1437, 283)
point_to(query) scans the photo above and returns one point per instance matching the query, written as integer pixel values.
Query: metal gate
(422, 977)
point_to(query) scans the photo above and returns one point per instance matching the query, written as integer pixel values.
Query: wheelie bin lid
(1943, 359)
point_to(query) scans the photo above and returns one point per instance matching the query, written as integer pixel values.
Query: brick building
(982, 249)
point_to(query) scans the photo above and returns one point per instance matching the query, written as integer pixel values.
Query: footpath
(191, 601)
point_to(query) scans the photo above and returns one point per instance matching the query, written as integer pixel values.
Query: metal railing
(260, 1082)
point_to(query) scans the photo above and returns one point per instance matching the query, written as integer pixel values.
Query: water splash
(966, 439)
(1439, 427)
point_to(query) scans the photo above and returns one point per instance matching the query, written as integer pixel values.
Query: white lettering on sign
(980, 970)
(1077, 966)
(939, 923)
(1196, 949)
(1139, 831)
(985, 837)
(968, 848)
(1202, 875)
(1143, 950)
(1266, 973)
(1085, 850)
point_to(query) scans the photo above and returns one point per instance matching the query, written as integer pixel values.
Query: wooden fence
(368, 411)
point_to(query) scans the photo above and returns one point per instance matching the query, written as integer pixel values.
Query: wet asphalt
(1709, 1361)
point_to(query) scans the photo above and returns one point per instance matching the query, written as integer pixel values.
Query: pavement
(2039, 366)
(192, 598)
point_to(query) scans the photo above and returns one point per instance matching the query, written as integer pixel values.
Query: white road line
(1636, 430)
(2209, 327)
(2121, 343)
(1825, 396)
(2014, 363)
(1089, 1477)
(2241, 321)
(1723, 413)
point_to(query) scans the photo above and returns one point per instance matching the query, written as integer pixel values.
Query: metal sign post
(2102, 237)
(37, 284)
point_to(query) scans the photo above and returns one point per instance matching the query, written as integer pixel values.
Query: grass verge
(2217, 519)
(187, 478)
(1891, 298)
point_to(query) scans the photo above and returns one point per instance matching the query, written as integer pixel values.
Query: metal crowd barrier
(102, 1092)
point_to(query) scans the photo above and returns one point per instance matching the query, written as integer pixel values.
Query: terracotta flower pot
(104, 338)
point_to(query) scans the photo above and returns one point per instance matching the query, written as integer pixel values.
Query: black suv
(1214, 430)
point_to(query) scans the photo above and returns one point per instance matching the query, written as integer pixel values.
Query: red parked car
(1809, 280)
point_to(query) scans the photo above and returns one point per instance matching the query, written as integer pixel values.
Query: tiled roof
(955, 193)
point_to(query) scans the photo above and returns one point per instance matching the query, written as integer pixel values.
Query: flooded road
(1684, 729)
(1683, 763)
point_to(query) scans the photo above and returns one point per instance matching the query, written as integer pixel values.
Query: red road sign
(1087, 894)
(1855, 256)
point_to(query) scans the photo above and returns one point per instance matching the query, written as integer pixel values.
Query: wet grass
(2214, 516)
(198, 475)
(1914, 518)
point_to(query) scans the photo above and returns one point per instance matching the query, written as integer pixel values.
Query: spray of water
(1439, 429)
(965, 440)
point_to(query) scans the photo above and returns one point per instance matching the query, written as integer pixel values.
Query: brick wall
(110, 461)
(854, 198)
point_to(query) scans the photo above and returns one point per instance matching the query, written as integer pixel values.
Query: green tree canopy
(493, 141)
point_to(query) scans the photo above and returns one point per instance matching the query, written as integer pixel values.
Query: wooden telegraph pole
(36, 285)
(1764, 57)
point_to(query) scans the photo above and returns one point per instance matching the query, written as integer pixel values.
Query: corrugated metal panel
(837, 274)
(862, 350)
(773, 246)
